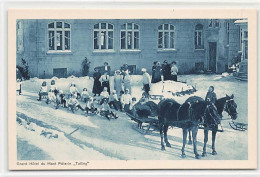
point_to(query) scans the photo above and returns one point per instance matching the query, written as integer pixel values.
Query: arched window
(19, 36)
(103, 36)
(130, 36)
(198, 41)
(166, 36)
(59, 36)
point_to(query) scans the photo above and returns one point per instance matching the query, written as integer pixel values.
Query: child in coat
(113, 100)
(105, 110)
(73, 103)
(104, 94)
(53, 87)
(43, 91)
(84, 95)
(61, 99)
(74, 90)
(126, 100)
(211, 95)
(51, 97)
(90, 106)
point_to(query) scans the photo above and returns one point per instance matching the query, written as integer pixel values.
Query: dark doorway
(60, 72)
(212, 56)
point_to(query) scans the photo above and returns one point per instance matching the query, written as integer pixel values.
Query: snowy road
(96, 138)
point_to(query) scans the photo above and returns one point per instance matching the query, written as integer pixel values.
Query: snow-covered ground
(96, 138)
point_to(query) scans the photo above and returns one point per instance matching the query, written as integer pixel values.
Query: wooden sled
(238, 126)
(151, 121)
(156, 97)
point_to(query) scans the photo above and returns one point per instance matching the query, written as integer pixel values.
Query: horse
(186, 116)
(227, 104)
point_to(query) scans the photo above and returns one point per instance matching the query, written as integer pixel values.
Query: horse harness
(202, 122)
(227, 106)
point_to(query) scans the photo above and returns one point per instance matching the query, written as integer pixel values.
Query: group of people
(166, 71)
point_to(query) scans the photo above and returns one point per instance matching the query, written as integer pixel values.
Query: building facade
(58, 47)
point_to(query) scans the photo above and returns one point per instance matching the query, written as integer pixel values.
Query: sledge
(156, 97)
(238, 126)
(151, 121)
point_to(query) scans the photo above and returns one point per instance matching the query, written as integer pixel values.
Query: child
(105, 110)
(113, 100)
(131, 107)
(19, 86)
(126, 100)
(73, 103)
(53, 87)
(90, 106)
(61, 99)
(51, 97)
(104, 94)
(74, 90)
(43, 91)
(119, 104)
(211, 95)
(84, 95)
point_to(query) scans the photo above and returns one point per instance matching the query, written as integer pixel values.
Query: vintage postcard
(132, 89)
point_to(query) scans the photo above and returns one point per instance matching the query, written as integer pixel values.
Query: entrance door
(212, 56)
(60, 72)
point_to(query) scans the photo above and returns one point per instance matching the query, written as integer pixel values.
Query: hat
(118, 71)
(114, 91)
(165, 61)
(60, 91)
(127, 89)
(143, 70)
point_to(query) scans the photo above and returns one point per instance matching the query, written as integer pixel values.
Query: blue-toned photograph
(132, 89)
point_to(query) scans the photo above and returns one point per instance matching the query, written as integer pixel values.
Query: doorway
(212, 56)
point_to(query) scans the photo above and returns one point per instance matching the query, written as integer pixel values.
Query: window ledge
(199, 49)
(104, 51)
(59, 52)
(130, 51)
(166, 50)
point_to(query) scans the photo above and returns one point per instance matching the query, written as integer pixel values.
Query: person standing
(106, 68)
(97, 84)
(174, 71)
(118, 81)
(153, 71)
(157, 73)
(127, 82)
(105, 82)
(146, 81)
(166, 70)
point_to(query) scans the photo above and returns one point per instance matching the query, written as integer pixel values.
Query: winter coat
(118, 80)
(127, 83)
(211, 97)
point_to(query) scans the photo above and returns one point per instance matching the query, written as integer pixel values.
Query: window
(19, 37)
(227, 31)
(103, 36)
(211, 23)
(59, 36)
(129, 36)
(216, 23)
(198, 37)
(166, 35)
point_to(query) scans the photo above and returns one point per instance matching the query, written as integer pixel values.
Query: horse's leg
(189, 142)
(161, 133)
(204, 154)
(194, 137)
(165, 129)
(184, 134)
(214, 133)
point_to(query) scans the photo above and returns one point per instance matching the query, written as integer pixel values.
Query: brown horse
(186, 116)
(227, 104)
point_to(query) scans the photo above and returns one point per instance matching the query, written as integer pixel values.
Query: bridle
(228, 106)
